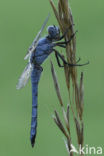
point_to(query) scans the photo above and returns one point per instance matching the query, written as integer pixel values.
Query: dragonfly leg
(66, 32)
(61, 45)
(78, 60)
(57, 59)
(58, 55)
(66, 42)
(65, 62)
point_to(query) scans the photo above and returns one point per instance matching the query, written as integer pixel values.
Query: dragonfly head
(53, 32)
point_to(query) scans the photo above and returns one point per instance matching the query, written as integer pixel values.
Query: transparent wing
(24, 76)
(35, 42)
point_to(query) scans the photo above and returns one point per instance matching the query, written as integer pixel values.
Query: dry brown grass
(64, 17)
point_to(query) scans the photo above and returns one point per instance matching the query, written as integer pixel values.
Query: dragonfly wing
(35, 42)
(24, 76)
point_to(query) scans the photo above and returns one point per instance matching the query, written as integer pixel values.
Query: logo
(86, 150)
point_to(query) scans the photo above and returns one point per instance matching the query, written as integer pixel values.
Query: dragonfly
(38, 52)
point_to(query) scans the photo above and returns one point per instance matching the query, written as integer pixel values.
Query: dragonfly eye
(53, 32)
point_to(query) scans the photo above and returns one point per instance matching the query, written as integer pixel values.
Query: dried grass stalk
(56, 84)
(59, 124)
(64, 18)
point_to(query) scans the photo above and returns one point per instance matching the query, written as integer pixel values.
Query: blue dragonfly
(40, 49)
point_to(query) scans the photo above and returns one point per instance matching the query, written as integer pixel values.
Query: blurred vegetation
(19, 23)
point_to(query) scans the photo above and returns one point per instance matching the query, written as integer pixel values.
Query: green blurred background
(19, 22)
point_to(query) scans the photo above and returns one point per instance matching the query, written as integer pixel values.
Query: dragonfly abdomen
(35, 77)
